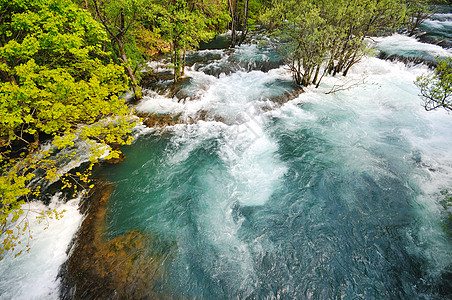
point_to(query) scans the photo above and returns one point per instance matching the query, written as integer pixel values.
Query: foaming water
(325, 196)
(33, 275)
(387, 170)
(231, 98)
(410, 47)
(439, 26)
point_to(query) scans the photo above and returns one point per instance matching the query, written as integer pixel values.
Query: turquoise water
(322, 196)
(325, 196)
(439, 26)
(437, 30)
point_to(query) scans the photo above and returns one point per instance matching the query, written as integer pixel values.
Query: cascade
(274, 194)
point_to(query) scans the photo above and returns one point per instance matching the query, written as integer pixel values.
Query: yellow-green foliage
(54, 72)
(436, 89)
(54, 76)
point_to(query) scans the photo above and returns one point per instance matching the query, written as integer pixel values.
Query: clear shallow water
(326, 196)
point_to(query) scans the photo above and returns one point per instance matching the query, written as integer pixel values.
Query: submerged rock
(116, 160)
(177, 90)
(427, 38)
(287, 96)
(119, 268)
(158, 82)
(233, 65)
(163, 84)
(155, 120)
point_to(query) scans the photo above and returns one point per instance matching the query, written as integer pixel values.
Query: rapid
(277, 195)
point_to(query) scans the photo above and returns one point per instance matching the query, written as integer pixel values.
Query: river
(323, 196)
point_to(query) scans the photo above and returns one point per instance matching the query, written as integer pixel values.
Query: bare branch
(344, 86)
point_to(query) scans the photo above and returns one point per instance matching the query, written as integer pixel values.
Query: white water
(384, 106)
(439, 24)
(387, 100)
(390, 97)
(226, 97)
(33, 275)
(410, 47)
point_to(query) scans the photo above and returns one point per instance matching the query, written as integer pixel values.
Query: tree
(328, 34)
(301, 35)
(140, 28)
(243, 14)
(185, 23)
(54, 76)
(353, 22)
(121, 20)
(417, 12)
(436, 89)
(237, 15)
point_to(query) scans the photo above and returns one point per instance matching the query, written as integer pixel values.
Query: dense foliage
(139, 29)
(54, 77)
(54, 74)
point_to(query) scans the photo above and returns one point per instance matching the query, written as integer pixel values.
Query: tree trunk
(35, 143)
(136, 88)
(4, 74)
(350, 63)
(234, 23)
(316, 75)
(119, 40)
(177, 61)
(245, 24)
(182, 72)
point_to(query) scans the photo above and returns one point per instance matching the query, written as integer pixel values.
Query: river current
(324, 196)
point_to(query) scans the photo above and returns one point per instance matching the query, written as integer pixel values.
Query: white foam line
(33, 275)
